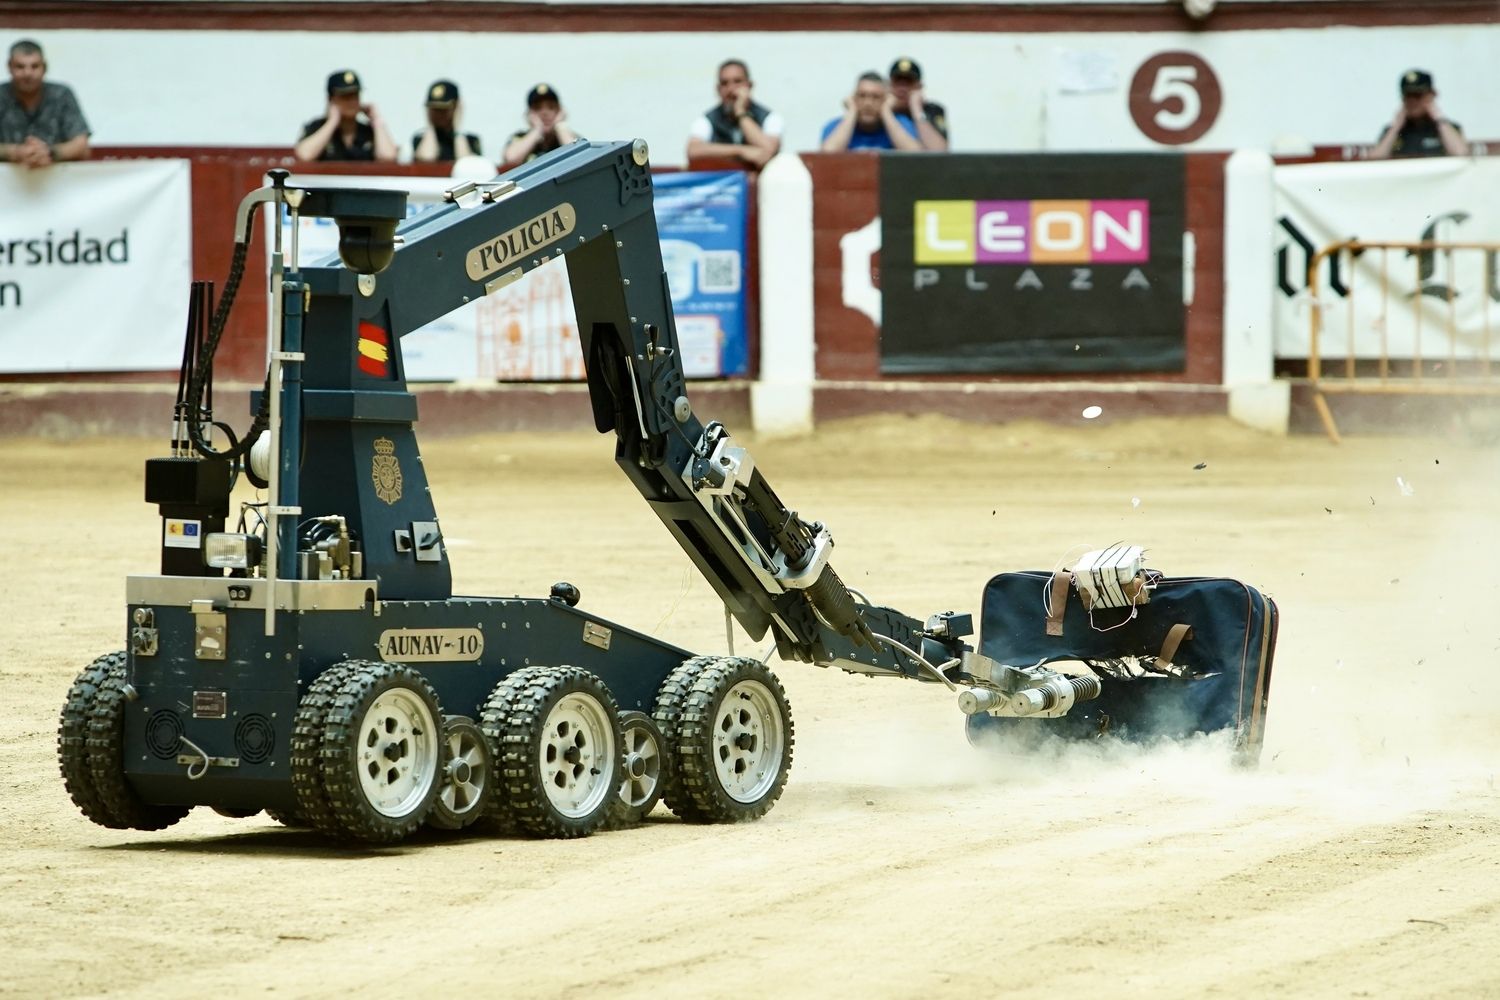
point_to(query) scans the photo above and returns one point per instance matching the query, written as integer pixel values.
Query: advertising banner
(1031, 263)
(95, 266)
(702, 221)
(1401, 302)
(527, 331)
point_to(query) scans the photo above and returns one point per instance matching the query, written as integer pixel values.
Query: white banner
(95, 266)
(1393, 302)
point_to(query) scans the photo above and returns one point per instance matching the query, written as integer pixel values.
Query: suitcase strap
(1057, 601)
(1175, 635)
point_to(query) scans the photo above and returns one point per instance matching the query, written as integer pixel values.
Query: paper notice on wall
(700, 339)
(1085, 71)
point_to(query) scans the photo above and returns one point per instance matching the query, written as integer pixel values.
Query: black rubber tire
(313, 808)
(639, 728)
(667, 713)
(288, 818)
(464, 798)
(522, 736)
(73, 739)
(347, 742)
(703, 714)
(493, 718)
(230, 813)
(106, 756)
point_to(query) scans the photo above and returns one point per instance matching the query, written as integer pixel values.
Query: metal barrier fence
(1473, 373)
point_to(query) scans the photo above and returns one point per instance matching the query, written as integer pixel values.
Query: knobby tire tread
(341, 731)
(697, 776)
(289, 818)
(73, 738)
(313, 808)
(106, 756)
(492, 721)
(668, 715)
(524, 794)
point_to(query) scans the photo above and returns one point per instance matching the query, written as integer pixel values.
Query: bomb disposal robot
(315, 663)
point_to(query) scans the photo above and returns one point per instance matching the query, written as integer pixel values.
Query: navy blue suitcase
(1195, 659)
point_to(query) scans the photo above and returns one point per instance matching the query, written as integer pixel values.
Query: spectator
(930, 117)
(441, 140)
(736, 128)
(1419, 128)
(40, 123)
(870, 121)
(547, 129)
(340, 134)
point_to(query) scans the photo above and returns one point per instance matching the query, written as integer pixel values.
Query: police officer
(441, 141)
(736, 127)
(931, 118)
(547, 127)
(342, 134)
(1420, 128)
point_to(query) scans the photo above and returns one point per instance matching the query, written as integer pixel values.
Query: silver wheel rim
(467, 774)
(576, 755)
(398, 752)
(642, 766)
(749, 741)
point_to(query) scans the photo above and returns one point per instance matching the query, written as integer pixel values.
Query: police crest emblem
(385, 471)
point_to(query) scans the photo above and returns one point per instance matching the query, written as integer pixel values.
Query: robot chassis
(319, 667)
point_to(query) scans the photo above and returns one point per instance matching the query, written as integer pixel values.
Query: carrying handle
(1175, 636)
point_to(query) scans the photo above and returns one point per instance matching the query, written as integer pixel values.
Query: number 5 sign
(1175, 98)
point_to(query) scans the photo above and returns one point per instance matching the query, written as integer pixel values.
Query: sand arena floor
(1361, 859)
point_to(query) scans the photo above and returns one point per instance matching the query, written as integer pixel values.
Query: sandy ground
(1361, 859)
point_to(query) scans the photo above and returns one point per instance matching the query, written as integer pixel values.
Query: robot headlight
(223, 550)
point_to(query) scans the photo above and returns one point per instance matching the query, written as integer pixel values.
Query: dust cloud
(1384, 557)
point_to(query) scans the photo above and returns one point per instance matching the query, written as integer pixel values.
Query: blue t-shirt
(872, 140)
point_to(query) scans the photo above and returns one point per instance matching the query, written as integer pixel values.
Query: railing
(1368, 366)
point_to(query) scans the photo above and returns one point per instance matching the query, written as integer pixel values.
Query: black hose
(203, 371)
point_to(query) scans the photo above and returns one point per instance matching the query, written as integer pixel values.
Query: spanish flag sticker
(180, 533)
(374, 350)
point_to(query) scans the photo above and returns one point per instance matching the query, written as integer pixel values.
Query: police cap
(345, 81)
(443, 94)
(1415, 81)
(906, 69)
(539, 93)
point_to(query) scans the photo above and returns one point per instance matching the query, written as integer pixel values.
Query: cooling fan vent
(255, 738)
(164, 734)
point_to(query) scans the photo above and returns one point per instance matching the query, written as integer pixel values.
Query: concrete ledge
(1266, 406)
(72, 410)
(780, 409)
(993, 402)
(1476, 416)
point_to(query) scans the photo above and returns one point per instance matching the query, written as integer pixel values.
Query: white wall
(256, 88)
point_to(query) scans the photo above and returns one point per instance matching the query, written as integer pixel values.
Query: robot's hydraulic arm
(591, 204)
